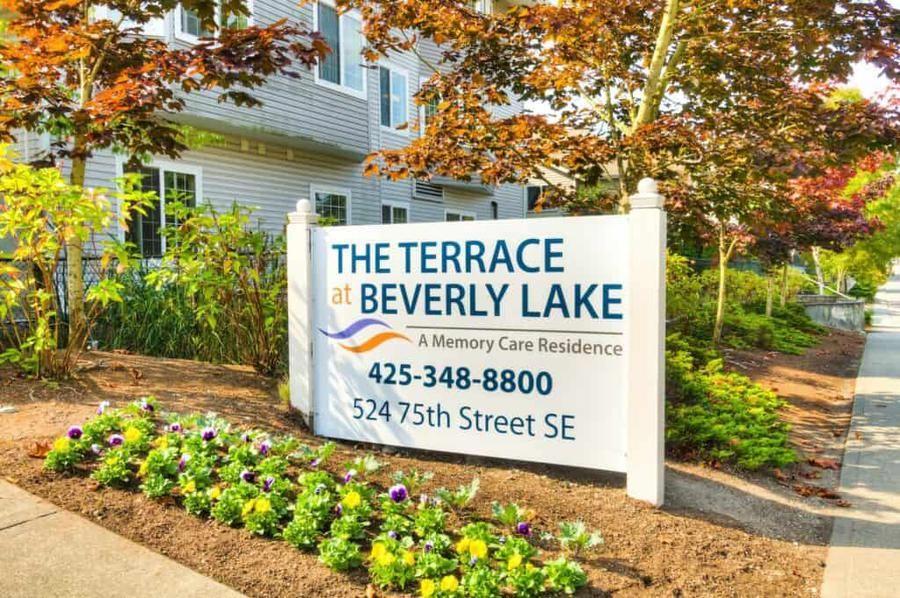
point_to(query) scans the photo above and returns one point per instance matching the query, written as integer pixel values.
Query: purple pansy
(393, 535)
(96, 449)
(264, 448)
(349, 476)
(103, 406)
(182, 463)
(267, 485)
(314, 463)
(523, 528)
(208, 434)
(398, 493)
(116, 440)
(248, 476)
(145, 406)
(74, 432)
(339, 509)
(246, 437)
(429, 546)
(175, 427)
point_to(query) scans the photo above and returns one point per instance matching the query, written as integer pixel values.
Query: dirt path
(716, 536)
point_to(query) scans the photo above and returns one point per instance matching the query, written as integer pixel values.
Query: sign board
(490, 338)
(536, 340)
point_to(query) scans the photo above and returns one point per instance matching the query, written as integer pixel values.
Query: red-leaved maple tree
(82, 71)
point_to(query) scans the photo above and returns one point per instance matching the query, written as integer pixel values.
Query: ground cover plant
(406, 535)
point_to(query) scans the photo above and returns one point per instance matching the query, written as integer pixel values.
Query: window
(458, 216)
(482, 6)
(426, 111)
(170, 184)
(394, 98)
(230, 20)
(332, 206)
(189, 28)
(155, 27)
(394, 213)
(533, 195)
(342, 67)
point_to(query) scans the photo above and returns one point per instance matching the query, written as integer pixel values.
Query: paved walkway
(46, 551)
(864, 556)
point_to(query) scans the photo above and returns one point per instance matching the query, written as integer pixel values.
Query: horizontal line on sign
(513, 330)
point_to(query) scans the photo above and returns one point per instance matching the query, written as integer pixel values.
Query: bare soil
(720, 533)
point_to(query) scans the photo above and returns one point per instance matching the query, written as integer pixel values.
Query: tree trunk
(653, 91)
(75, 268)
(770, 293)
(784, 285)
(820, 276)
(725, 249)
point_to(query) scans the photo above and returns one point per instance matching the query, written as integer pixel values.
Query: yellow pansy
(142, 470)
(263, 505)
(215, 492)
(132, 434)
(352, 500)
(161, 442)
(427, 588)
(449, 583)
(514, 561)
(378, 550)
(478, 549)
(62, 444)
(248, 507)
(408, 558)
(463, 545)
(190, 487)
(386, 560)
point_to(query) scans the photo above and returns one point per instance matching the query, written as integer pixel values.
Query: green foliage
(462, 496)
(340, 554)
(721, 416)
(275, 487)
(575, 537)
(44, 214)
(219, 294)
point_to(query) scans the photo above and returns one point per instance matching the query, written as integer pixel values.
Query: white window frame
(392, 68)
(155, 27)
(422, 124)
(164, 166)
(485, 7)
(525, 187)
(314, 188)
(190, 38)
(353, 14)
(460, 213)
(393, 203)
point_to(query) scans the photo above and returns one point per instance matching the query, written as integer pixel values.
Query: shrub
(722, 416)
(247, 479)
(44, 214)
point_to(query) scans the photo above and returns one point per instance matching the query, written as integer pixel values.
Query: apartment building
(308, 140)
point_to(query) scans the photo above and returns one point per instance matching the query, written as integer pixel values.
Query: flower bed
(276, 487)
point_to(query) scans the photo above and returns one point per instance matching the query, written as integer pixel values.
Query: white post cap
(303, 213)
(647, 196)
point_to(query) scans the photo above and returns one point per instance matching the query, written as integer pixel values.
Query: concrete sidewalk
(864, 555)
(47, 551)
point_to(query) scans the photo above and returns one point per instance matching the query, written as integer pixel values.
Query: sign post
(646, 357)
(537, 340)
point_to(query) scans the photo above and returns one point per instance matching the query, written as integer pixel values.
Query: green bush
(721, 416)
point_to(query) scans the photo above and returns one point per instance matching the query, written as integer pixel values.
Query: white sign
(508, 338)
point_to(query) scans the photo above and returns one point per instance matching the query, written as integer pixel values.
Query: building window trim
(393, 127)
(163, 166)
(157, 27)
(341, 87)
(464, 215)
(316, 188)
(395, 203)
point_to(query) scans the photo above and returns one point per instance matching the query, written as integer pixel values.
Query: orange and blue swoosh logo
(351, 332)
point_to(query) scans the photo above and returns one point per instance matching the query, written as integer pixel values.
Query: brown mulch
(671, 551)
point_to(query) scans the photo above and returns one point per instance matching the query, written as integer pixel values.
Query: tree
(82, 71)
(724, 101)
